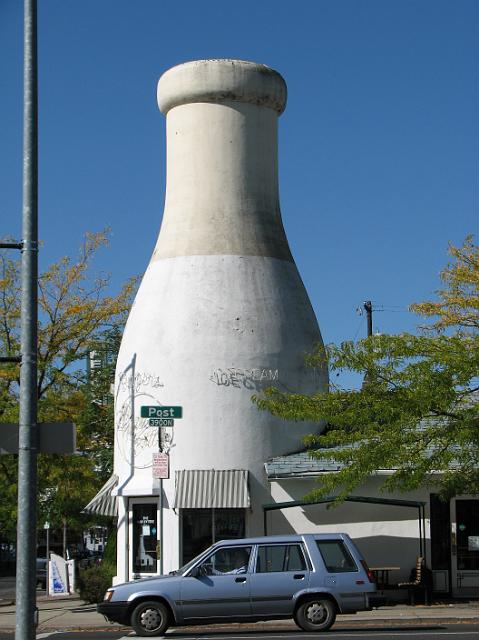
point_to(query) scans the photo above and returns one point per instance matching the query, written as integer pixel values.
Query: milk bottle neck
(222, 161)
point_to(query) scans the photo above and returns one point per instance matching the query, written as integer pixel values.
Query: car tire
(315, 614)
(150, 618)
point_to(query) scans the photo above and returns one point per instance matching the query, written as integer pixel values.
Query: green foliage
(109, 555)
(76, 315)
(94, 581)
(417, 413)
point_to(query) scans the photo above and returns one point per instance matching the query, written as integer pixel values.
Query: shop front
(464, 513)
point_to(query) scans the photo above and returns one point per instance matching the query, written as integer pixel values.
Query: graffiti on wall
(139, 381)
(134, 435)
(251, 379)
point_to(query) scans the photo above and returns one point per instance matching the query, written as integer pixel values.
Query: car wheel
(316, 614)
(150, 618)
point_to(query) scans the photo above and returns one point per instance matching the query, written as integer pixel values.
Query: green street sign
(161, 412)
(162, 422)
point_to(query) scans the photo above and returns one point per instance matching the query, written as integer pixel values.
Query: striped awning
(104, 504)
(211, 489)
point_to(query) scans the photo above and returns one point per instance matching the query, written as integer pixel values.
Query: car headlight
(108, 595)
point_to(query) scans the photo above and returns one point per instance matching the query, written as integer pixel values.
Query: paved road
(339, 632)
(7, 587)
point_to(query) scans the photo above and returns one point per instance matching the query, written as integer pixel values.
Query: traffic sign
(160, 466)
(162, 422)
(161, 412)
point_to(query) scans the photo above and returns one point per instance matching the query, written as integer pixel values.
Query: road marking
(46, 635)
(339, 634)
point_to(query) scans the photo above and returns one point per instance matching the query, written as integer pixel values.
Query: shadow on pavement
(364, 630)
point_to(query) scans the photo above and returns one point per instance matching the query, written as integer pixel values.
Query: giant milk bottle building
(221, 314)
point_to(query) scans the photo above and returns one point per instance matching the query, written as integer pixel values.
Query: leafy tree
(76, 315)
(97, 417)
(417, 412)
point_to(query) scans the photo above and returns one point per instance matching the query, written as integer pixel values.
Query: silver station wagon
(309, 577)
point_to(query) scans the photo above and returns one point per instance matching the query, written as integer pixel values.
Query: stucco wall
(386, 535)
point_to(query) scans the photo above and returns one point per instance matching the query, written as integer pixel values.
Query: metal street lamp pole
(27, 442)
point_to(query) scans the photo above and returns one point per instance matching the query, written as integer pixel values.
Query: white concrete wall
(221, 312)
(386, 535)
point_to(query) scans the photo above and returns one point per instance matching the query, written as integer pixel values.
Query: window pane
(296, 560)
(202, 527)
(228, 560)
(197, 532)
(280, 557)
(336, 557)
(467, 513)
(229, 524)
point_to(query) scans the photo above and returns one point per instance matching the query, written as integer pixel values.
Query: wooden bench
(420, 582)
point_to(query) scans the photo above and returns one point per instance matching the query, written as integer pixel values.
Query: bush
(94, 581)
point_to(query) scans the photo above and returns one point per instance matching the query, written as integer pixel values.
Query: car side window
(336, 556)
(227, 560)
(280, 557)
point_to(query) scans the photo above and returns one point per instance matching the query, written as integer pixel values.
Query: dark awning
(211, 489)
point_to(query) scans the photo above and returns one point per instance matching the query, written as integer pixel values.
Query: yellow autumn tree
(76, 311)
(458, 301)
(418, 414)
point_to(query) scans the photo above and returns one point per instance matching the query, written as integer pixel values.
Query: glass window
(335, 556)
(226, 561)
(145, 534)
(467, 514)
(280, 557)
(202, 527)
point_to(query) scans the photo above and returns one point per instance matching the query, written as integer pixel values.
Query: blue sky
(379, 144)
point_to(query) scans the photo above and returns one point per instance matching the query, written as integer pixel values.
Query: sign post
(46, 526)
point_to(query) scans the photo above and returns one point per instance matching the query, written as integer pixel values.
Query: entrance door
(144, 537)
(465, 547)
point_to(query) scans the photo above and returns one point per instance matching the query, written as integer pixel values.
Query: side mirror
(201, 570)
(196, 572)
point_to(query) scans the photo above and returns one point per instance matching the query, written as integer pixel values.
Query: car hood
(145, 581)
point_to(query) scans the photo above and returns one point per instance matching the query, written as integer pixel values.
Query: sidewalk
(70, 613)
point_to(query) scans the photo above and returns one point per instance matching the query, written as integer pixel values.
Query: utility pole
(368, 307)
(27, 449)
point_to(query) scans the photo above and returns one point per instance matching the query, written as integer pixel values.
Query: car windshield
(182, 570)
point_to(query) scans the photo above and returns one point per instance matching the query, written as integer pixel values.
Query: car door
(281, 570)
(342, 574)
(220, 586)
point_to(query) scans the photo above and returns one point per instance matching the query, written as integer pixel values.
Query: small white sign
(161, 466)
(58, 576)
(473, 543)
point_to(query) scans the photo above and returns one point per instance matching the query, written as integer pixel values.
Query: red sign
(161, 466)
